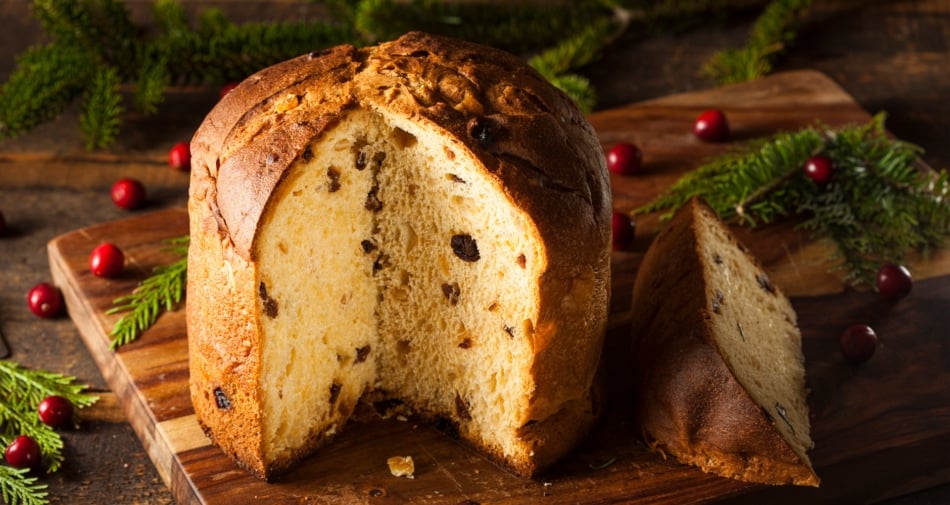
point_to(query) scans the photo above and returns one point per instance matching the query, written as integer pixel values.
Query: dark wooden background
(891, 56)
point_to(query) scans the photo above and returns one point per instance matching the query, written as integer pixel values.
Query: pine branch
(101, 107)
(15, 422)
(17, 487)
(771, 34)
(45, 81)
(878, 207)
(575, 52)
(21, 391)
(513, 26)
(32, 386)
(89, 36)
(162, 291)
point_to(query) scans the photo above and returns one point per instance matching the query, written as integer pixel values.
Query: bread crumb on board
(401, 466)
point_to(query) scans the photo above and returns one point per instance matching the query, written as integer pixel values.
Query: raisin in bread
(424, 220)
(721, 374)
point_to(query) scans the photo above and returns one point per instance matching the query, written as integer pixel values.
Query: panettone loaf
(718, 354)
(424, 220)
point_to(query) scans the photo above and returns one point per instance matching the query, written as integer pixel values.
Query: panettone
(425, 220)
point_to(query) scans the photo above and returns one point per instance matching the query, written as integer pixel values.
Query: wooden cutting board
(881, 429)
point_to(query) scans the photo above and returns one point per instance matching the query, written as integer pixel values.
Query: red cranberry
(624, 159)
(106, 261)
(55, 411)
(227, 89)
(712, 125)
(179, 157)
(128, 193)
(45, 300)
(858, 343)
(894, 281)
(23, 452)
(819, 168)
(623, 231)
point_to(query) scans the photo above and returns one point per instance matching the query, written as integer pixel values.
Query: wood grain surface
(881, 429)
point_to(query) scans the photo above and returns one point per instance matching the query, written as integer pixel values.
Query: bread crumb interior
(756, 333)
(389, 264)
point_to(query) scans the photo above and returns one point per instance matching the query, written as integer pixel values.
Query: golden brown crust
(690, 404)
(529, 136)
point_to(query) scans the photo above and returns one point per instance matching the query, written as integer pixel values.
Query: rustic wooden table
(890, 55)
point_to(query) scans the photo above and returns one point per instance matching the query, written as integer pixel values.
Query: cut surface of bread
(370, 228)
(721, 373)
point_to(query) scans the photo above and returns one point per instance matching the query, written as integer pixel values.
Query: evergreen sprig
(96, 53)
(575, 52)
(518, 27)
(18, 487)
(878, 207)
(773, 30)
(162, 291)
(21, 391)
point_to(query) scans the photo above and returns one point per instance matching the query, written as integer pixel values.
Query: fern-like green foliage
(21, 391)
(18, 487)
(771, 34)
(878, 207)
(101, 106)
(162, 291)
(575, 52)
(47, 80)
(94, 47)
(513, 26)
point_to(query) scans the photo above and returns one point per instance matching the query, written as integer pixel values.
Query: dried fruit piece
(451, 292)
(270, 304)
(368, 246)
(465, 247)
(362, 353)
(333, 182)
(373, 203)
(221, 399)
(335, 391)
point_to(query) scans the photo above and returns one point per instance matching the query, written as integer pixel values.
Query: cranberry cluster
(859, 341)
(24, 451)
(626, 159)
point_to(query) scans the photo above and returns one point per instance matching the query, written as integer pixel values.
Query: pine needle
(101, 107)
(17, 487)
(162, 291)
